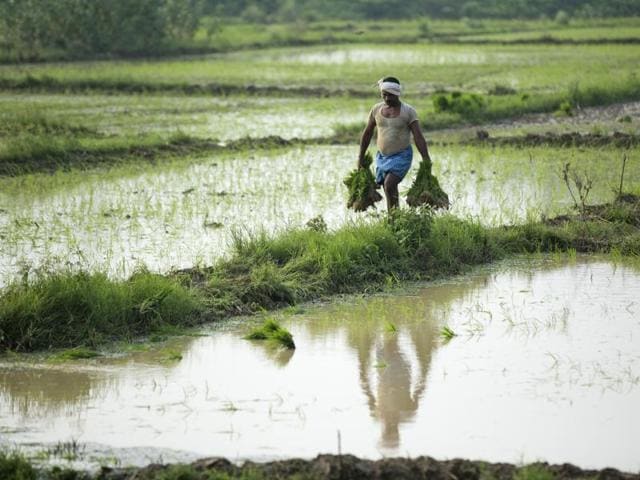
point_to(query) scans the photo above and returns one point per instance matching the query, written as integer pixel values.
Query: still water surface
(545, 366)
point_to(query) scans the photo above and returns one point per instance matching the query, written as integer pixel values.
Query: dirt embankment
(572, 139)
(343, 467)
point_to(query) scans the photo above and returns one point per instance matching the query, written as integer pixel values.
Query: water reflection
(546, 366)
(42, 392)
(395, 401)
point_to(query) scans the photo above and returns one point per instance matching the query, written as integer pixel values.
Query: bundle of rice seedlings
(426, 189)
(362, 187)
(271, 331)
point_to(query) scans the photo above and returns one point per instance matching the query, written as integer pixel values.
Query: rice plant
(273, 333)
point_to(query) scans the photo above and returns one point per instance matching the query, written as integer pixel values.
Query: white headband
(390, 87)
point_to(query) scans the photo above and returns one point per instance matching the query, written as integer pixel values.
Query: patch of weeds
(135, 347)
(625, 119)
(533, 472)
(582, 183)
(13, 466)
(565, 109)
(502, 90)
(69, 451)
(272, 332)
(294, 310)
(158, 338)
(77, 353)
(390, 327)
(188, 472)
(317, 224)
(447, 333)
(172, 356)
(459, 102)
(58, 473)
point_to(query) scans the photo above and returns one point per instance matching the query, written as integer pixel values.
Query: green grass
(533, 472)
(488, 108)
(273, 333)
(14, 466)
(271, 271)
(341, 69)
(238, 35)
(447, 333)
(68, 309)
(77, 353)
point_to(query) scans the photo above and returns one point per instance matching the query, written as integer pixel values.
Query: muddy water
(545, 366)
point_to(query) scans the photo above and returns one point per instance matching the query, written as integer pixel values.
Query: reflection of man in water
(395, 401)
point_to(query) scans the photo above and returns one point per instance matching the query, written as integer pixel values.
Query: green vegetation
(534, 471)
(426, 189)
(33, 29)
(272, 332)
(38, 29)
(447, 333)
(68, 309)
(266, 272)
(76, 354)
(362, 186)
(14, 466)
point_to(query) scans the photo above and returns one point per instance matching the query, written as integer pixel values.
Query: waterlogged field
(223, 118)
(422, 67)
(544, 365)
(186, 212)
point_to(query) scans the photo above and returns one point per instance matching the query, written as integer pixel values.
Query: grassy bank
(67, 309)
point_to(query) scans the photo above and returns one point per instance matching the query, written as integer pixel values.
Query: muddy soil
(572, 139)
(343, 467)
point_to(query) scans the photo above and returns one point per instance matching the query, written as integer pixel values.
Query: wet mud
(52, 85)
(339, 467)
(572, 139)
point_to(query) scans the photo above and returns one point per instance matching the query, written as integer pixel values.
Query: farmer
(396, 121)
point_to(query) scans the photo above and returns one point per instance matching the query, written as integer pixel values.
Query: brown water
(546, 366)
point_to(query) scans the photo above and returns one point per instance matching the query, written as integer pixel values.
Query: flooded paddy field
(186, 212)
(544, 366)
(423, 67)
(544, 362)
(222, 118)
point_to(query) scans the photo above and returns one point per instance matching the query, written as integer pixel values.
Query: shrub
(460, 103)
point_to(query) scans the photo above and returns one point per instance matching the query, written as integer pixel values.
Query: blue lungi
(397, 163)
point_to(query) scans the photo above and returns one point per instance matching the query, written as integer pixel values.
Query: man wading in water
(396, 121)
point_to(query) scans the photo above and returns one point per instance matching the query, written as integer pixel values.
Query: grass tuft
(263, 272)
(533, 472)
(69, 309)
(272, 332)
(13, 466)
(77, 353)
(447, 333)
